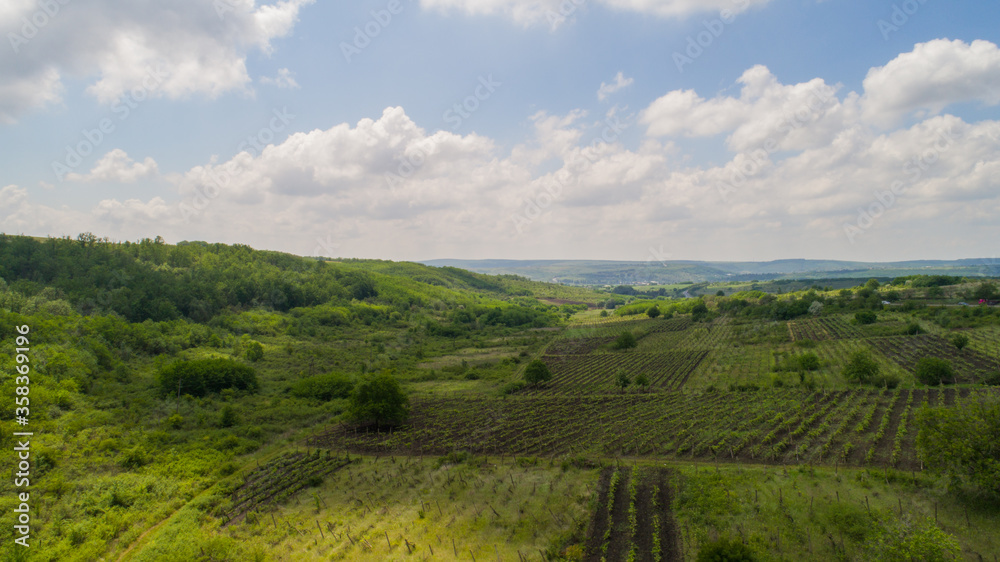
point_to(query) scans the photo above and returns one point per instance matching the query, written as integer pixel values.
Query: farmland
(651, 435)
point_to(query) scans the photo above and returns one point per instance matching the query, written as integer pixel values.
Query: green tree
(720, 293)
(872, 284)
(865, 317)
(625, 341)
(934, 371)
(960, 341)
(623, 380)
(699, 312)
(255, 351)
(913, 329)
(861, 368)
(537, 372)
(228, 417)
(642, 381)
(985, 291)
(960, 442)
(808, 362)
(378, 398)
(653, 312)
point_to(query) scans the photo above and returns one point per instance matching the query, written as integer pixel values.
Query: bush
(537, 372)
(512, 387)
(861, 368)
(625, 341)
(228, 417)
(653, 312)
(934, 371)
(324, 387)
(865, 317)
(808, 362)
(913, 329)
(960, 341)
(255, 352)
(725, 550)
(379, 398)
(205, 376)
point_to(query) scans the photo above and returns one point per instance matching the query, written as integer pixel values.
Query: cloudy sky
(586, 129)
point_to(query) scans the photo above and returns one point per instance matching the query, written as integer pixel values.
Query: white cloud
(933, 76)
(788, 116)
(607, 89)
(32, 90)
(556, 12)
(385, 187)
(116, 166)
(284, 79)
(166, 49)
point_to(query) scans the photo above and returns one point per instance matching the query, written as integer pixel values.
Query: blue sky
(822, 105)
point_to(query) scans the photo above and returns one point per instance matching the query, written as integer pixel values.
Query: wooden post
(320, 530)
(387, 539)
(868, 507)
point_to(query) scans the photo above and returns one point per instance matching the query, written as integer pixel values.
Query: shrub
(512, 387)
(205, 376)
(913, 329)
(379, 398)
(934, 371)
(255, 351)
(653, 312)
(865, 317)
(324, 387)
(228, 417)
(625, 341)
(808, 362)
(960, 341)
(537, 372)
(861, 368)
(725, 550)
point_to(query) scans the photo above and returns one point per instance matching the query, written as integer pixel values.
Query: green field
(735, 418)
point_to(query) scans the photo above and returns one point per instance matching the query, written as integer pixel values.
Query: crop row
(599, 372)
(786, 425)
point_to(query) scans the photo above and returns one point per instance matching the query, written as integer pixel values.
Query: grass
(387, 508)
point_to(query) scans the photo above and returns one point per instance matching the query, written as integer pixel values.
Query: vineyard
(859, 427)
(970, 365)
(633, 519)
(278, 480)
(597, 372)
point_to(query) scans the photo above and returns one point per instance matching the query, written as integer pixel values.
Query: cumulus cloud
(789, 116)
(556, 12)
(933, 76)
(169, 49)
(116, 166)
(386, 187)
(607, 89)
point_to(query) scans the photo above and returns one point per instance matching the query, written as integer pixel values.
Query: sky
(641, 130)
